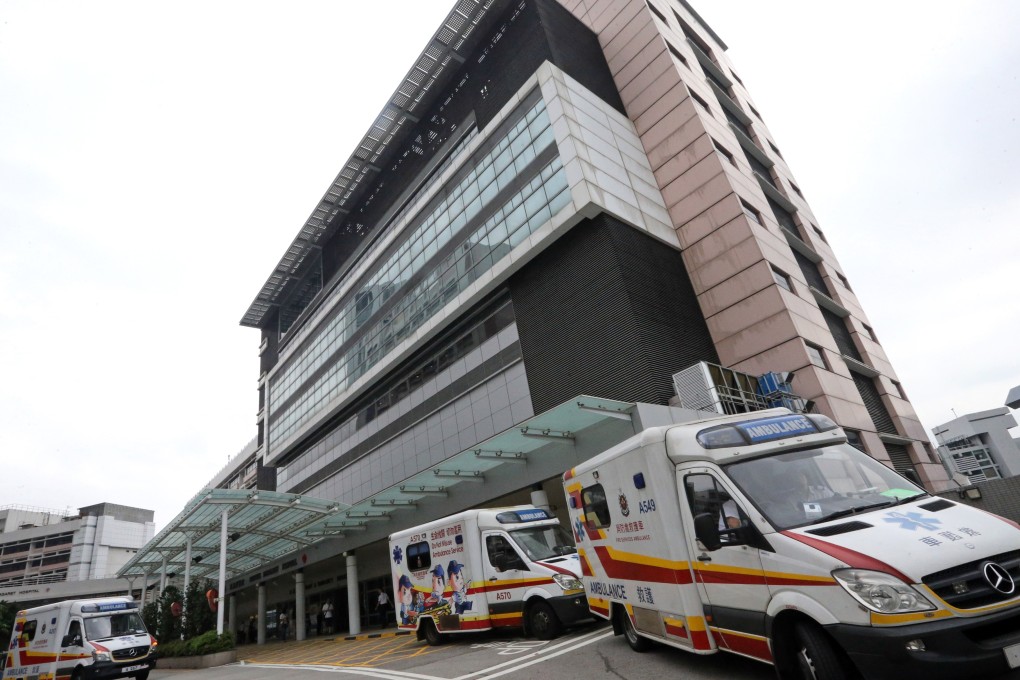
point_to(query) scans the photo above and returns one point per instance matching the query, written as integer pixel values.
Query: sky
(157, 159)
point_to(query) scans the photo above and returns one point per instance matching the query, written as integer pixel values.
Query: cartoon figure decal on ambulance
(459, 584)
(405, 596)
(438, 588)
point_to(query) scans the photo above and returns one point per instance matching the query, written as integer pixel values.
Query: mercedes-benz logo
(132, 652)
(998, 578)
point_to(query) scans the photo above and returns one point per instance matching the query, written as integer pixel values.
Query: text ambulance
(81, 639)
(766, 535)
(483, 569)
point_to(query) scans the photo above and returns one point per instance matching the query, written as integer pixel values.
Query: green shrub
(206, 643)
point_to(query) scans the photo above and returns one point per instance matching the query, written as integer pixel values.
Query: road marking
(540, 655)
(364, 672)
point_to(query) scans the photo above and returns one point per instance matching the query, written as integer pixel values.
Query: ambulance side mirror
(706, 530)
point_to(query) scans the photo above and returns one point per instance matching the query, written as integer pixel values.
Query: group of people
(319, 619)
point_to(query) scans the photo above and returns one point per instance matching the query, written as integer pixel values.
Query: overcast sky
(157, 158)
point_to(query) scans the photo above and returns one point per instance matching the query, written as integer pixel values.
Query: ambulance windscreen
(115, 625)
(808, 487)
(541, 543)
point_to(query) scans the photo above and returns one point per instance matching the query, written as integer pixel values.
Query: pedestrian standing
(382, 605)
(284, 625)
(327, 617)
(313, 617)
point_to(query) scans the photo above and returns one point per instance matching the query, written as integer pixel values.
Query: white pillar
(538, 497)
(162, 577)
(223, 572)
(353, 610)
(187, 581)
(261, 637)
(145, 589)
(299, 606)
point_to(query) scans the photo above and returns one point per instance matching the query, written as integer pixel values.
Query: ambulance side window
(418, 556)
(502, 554)
(74, 633)
(596, 509)
(28, 631)
(705, 496)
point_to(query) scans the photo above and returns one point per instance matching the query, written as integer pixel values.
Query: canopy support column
(187, 582)
(299, 604)
(353, 608)
(262, 614)
(223, 572)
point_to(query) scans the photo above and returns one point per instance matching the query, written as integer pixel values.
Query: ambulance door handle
(704, 558)
(493, 578)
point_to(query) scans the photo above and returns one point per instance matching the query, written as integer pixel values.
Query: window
(796, 189)
(870, 331)
(843, 280)
(502, 554)
(657, 13)
(596, 508)
(853, 438)
(899, 389)
(816, 355)
(676, 53)
(782, 278)
(737, 78)
(820, 234)
(750, 211)
(28, 631)
(700, 101)
(772, 146)
(418, 556)
(723, 152)
(758, 116)
(706, 497)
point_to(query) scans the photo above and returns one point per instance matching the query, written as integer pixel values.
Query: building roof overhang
(264, 526)
(424, 82)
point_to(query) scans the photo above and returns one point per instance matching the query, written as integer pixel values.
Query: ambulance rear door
(730, 578)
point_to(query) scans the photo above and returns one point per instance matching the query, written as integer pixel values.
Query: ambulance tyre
(542, 621)
(816, 657)
(144, 675)
(636, 642)
(431, 633)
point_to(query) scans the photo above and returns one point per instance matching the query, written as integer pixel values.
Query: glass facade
(513, 186)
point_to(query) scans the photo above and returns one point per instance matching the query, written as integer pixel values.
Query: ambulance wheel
(816, 657)
(542, 621)
(636, 642)
(432, 634)
(144, 675)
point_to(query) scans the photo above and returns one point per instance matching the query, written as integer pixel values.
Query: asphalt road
(591, 652)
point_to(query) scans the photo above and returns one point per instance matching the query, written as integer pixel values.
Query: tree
(8, 612)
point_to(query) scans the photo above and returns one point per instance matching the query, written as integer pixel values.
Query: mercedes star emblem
(998, 578)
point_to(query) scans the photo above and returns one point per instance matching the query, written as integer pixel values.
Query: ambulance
(766, 535)
(80, 639)
(484, 569)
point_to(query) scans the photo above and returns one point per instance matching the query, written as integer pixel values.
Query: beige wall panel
(736, 288)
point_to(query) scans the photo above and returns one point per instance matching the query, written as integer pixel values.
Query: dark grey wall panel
(607, 311)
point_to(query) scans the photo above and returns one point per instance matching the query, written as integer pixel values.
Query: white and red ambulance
(483, 569)
(766, 535)
(80, 639)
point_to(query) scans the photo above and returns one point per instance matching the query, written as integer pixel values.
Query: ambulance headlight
(101, 656)
(881, 592)
(567, 582)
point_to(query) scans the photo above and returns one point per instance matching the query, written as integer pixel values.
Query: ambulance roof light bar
(763, 430)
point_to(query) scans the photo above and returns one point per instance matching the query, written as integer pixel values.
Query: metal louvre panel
(873, 402)
(844, 341)
(900, 457)
(610, 312)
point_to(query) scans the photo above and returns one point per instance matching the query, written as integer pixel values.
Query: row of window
(447, 274)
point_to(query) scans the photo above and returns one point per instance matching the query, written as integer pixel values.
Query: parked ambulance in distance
(483, 569)
(80, 639)
(766, 535)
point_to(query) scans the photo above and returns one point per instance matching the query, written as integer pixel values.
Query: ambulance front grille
(966, 587)
(130, 653)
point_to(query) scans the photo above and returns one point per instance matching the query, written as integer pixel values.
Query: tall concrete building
(979, 446)
(559, 199)
(46, 555)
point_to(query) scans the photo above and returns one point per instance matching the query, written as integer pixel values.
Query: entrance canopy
(264, 526)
